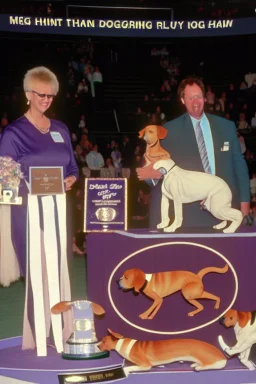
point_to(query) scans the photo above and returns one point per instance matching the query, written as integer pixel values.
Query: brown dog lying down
(146, 354)
(162, 284)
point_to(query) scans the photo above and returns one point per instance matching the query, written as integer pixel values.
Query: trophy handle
(98, 309)
(63, 306)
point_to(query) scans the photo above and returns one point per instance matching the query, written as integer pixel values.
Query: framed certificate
(105, 205)
(46, 180)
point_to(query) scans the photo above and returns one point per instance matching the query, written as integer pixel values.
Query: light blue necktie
(202, 148)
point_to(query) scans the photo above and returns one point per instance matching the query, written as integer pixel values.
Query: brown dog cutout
(146, 354)
(159, 285)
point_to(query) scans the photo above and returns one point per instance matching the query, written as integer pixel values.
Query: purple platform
(24, 365)
(105, 253)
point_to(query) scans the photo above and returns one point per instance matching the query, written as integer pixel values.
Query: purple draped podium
(110, 254)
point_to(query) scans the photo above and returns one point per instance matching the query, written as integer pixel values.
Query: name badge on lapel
(57, 138)
(225, 147)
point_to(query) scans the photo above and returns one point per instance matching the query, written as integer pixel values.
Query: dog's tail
(204, 271)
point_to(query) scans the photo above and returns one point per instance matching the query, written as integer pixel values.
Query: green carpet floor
(12, 298)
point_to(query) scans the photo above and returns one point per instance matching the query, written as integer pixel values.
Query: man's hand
(148, 173)
(245, 208)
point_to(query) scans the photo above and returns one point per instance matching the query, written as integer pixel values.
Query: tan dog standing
(244, 324)
(146, 354)
(152, 134)
(162, 284)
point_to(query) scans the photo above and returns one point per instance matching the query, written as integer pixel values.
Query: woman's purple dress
(25, 144)
(29, 147)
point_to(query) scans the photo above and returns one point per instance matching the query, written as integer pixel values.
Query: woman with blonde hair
(38, 141)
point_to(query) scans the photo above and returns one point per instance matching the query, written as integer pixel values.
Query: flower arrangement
(10, 174)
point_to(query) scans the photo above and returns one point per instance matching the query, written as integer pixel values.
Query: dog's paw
(144, 316)
(228, 230)
(252, 367)
(126, 371)
(220, 225)
(171, 228)
(249, 364)
(217, 305)
(162, 225)
(223, 345)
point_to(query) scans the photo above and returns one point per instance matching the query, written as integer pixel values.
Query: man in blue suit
(222, 150)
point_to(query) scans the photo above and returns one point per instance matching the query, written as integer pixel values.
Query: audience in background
(83, 95)
(242, 123)
(116, 157)
(95, 160)
(242, 142)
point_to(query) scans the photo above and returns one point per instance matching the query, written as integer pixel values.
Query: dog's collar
(119, 345)
(172, 167)
(144, 286)
(128, 348)
(253, 318)
(152, 145)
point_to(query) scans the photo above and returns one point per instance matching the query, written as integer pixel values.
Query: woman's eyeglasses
(43, 95)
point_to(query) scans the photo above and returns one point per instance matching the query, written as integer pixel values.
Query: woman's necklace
(42, 130)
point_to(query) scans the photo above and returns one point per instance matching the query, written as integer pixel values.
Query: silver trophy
(83, 342)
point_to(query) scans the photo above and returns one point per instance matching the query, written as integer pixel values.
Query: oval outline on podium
(172, 332)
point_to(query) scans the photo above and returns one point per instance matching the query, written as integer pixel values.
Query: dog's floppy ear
(116, 335)
(139, 279)
(98, 309)
(142, 133)
(243, 318)
(161, 132)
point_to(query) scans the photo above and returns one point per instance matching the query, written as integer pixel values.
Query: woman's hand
(69, 181)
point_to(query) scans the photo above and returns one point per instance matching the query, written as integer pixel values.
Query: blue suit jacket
(229, 165)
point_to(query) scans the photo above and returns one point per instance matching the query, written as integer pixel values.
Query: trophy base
(94, 356)
(83, 351)
(16, 201)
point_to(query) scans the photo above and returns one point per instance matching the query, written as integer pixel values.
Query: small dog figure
(152, 134)
(244, 324)
(183, 187)
(159, 285)
(146, 354)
